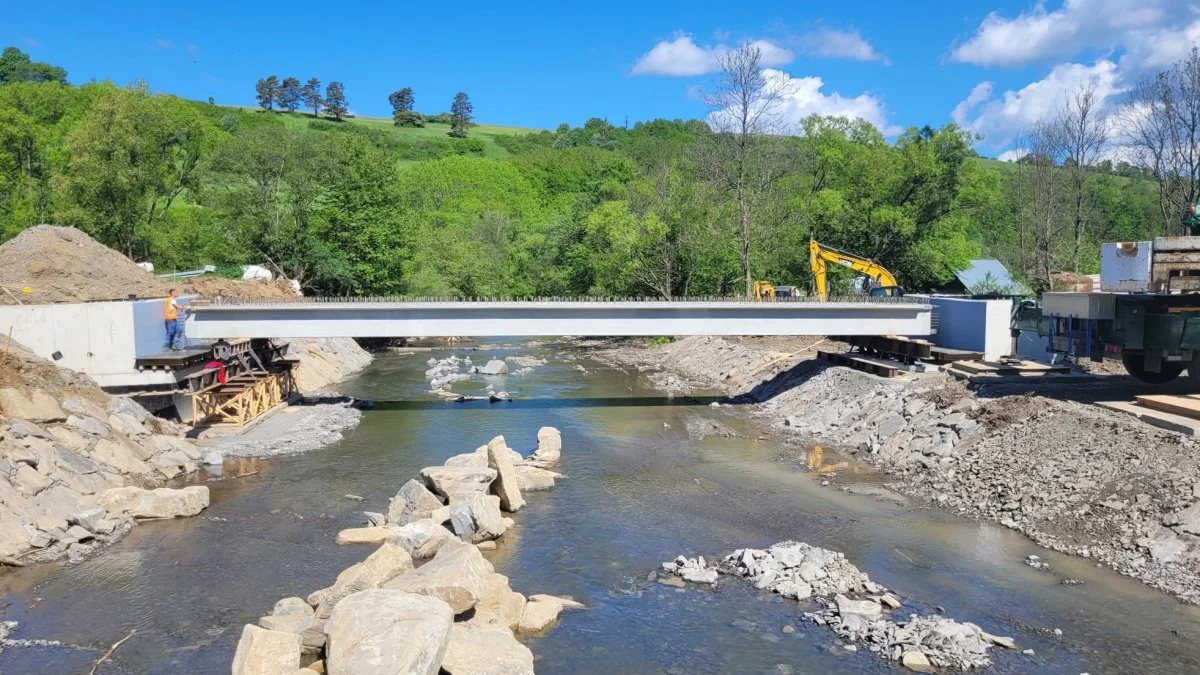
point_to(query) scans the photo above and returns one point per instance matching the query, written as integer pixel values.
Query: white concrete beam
(550, 318)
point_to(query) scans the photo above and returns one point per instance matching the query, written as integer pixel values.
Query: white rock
(506, 486)
(387, 631)
(538, 615)
(549, 448)
(158, 503)
(365, 535)
(214, 458)
(476, 517)
(456, 576)
(412, 502)
(266, 652)
(452, 482)
(486, 650)
(531, 478)
(422, 538)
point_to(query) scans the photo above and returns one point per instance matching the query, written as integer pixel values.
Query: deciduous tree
(16, 66)
(402, 100)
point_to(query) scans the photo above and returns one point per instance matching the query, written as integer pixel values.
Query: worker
(171, 317)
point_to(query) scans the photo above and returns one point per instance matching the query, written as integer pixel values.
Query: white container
(1125, 267)
(1080, 305)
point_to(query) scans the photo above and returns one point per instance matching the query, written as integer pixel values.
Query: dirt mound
(208, 287)
(64, 264)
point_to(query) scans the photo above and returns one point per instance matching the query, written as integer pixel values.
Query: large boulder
(385, 563)
(455, 576)
(506, 486)
(549, 448)
(531, 478)
(486, 650)
(475, 459)
(422, 538)
(266, 652)
(387, 631)
(374, 535)
(294, 615)
(539, 614)
(493, 367)
(120, 456)
(158, 503)
(453, 482)
(500, 605)
(413, 502)
(36, 407)
(476, 517)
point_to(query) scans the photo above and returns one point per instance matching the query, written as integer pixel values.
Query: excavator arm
(820, 256)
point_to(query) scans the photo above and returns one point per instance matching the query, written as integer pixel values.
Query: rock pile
(426, 599)
(71, 463)
(854, 607)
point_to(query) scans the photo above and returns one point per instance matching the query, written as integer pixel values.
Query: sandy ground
(1071, 476)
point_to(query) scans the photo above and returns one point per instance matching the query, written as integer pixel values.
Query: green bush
(660, 340)
(408, 118)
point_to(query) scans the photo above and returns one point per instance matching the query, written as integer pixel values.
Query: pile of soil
(64, 264)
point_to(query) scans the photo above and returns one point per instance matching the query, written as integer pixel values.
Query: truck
(1146, 313)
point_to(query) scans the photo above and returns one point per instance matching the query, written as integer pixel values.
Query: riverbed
(639, 491)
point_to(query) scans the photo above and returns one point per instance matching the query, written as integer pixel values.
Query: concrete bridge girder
(501, 319)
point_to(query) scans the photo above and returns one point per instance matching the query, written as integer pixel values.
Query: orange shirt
(172, 310)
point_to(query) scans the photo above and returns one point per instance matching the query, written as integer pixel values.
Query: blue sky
(992, 66)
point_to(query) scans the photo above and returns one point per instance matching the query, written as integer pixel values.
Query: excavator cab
(764, 290)
(886, 292)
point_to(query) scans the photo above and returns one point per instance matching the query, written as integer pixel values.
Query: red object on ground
(220, 370)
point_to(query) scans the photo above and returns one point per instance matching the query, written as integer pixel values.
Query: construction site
(1042, 450)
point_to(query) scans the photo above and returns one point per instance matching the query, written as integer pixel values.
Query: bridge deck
(408, 318)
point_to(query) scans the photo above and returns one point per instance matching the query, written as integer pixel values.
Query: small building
(983, 278)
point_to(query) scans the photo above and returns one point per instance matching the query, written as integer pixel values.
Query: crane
(820, 255)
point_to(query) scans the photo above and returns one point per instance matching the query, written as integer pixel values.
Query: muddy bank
(1072, 477)
(290, 431)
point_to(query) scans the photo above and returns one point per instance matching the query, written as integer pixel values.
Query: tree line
(288, 94)
(664, 208)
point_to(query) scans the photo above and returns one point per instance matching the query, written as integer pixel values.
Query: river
(638, 491)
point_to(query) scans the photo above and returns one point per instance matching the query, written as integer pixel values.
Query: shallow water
(637, 493)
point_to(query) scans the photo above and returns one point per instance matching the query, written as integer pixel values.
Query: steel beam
(554, 318)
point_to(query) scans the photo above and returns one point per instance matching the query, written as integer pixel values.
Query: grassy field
(429, 133)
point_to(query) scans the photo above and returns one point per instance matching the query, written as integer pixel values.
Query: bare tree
(1162, 126)
(1041, 219)
(740, 155)
(1081, 134)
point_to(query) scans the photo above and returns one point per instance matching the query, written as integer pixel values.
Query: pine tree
(311, 94)
(266, 90)
(460, 115)
(289, 94)
(401, 100)
(335, 101)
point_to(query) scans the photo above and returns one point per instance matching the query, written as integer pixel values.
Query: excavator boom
(820, 256)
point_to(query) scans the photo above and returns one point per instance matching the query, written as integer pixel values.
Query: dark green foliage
(266, 92)
(311, 94)
(408, 118)
(16, 66)
(461, 111)
(440, 118)
(335, 101)
(288, 97)
(402, 100)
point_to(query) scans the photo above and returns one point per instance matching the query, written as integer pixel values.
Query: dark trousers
(174, 331)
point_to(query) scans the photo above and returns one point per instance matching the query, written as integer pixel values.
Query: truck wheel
(1135, 366)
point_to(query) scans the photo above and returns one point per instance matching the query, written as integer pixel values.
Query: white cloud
(163, 43)
(803, 96)
(840, 44)
(1001, 118)
(682, 57)
(1039, 35)
(1012, 155)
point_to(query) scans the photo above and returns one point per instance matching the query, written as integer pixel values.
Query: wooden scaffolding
(242, 398)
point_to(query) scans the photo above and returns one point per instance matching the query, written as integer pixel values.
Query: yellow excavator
(883, 282)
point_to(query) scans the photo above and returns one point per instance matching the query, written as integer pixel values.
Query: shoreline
(1071, 477)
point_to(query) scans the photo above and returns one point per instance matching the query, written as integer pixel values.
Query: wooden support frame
(241, 399)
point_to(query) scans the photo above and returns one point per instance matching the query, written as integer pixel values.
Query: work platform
(322, 318)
